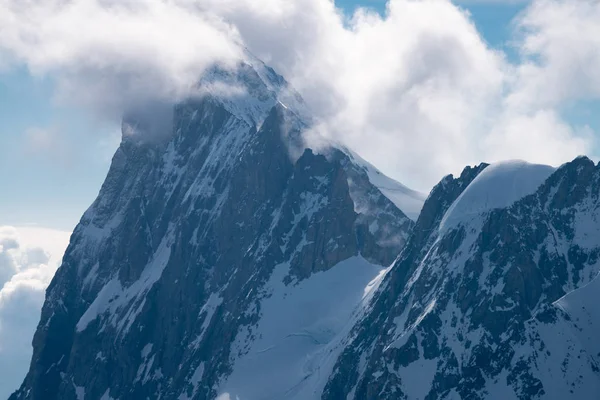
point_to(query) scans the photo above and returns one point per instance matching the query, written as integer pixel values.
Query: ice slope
(299, 331)
(582, 307)
(406, 199)
(497, 186)
(567, 331)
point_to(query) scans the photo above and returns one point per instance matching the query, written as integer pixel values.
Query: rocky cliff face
(176, 275)
(491, 298)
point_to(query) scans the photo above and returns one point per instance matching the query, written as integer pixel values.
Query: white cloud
(505, 2)
(29, 258)
(417, 91)
(560, 41)
(110, 53)
(410, 93)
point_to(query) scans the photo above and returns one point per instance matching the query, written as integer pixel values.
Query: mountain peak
(173, 265)
(250, 89)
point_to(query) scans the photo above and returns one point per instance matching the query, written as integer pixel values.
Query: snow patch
(417, 377)
(298, 336)
(79, 392)
(497, 186)
(208, 310)
(147, 350)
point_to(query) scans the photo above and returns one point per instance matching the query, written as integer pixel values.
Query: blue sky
(492, 18)
(54, 157)
(50, 183)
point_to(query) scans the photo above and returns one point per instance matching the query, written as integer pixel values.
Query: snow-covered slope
(498, 186)
(496, 305)
(215, 244)
(583, 314)
(407, 200)
(300, 331)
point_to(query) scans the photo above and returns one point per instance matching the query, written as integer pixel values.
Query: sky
(420, 88)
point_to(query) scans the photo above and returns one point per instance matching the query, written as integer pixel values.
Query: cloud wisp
(417, 91)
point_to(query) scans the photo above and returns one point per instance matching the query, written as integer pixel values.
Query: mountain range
(225, 257)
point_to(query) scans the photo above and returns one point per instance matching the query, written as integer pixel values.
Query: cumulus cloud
(507, 2)
(416, 91)
(29, 258)
(108, 54)
(560, 43)
(410, 94)
(419, 93)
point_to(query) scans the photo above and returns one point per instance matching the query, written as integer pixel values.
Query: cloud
(506, 2)
(420, 98)
(412, 95)
(29, 258)
(560, 43)
(416, 91)
(107, 54)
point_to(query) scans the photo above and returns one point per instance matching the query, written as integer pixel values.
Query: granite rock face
(162, 287)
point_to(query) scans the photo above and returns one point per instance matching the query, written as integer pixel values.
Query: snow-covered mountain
(225, 259)
(493, 297)
(220, 252)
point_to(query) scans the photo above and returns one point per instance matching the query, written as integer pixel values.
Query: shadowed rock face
(473, 311)
(169, 262)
